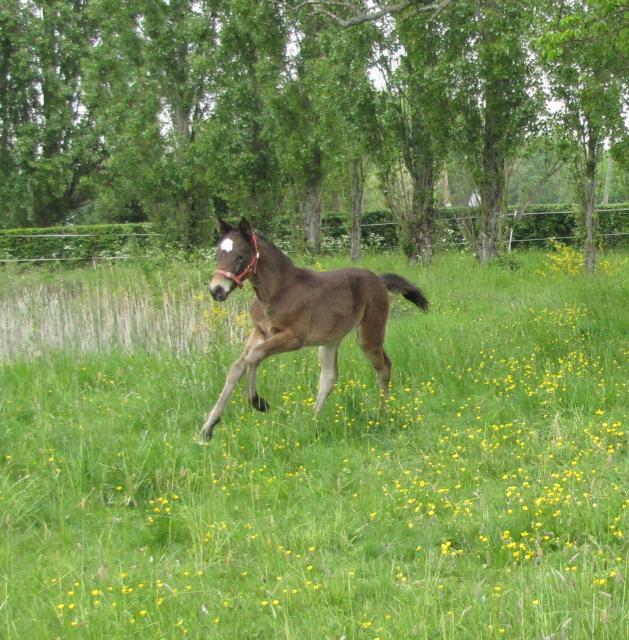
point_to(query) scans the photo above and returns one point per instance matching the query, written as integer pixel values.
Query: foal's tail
(397, 284)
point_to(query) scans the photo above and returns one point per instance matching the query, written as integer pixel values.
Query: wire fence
(509, 215)
(511, 240)
(508, 241)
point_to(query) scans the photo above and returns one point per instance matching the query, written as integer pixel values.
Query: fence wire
(373, 224)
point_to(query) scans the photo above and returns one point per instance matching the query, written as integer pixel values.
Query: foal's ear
(245, 228)
(224, 227)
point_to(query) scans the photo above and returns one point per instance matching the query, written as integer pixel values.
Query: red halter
(239, 278)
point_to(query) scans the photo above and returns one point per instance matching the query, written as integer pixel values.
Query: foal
(295, 308)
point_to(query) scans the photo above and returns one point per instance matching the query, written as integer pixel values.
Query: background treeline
(77, 244)
(173, 111)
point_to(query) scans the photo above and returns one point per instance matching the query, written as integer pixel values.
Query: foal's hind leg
(328, 359)
(371, 340)
(382, 364)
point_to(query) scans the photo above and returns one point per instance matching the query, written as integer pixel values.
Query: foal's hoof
(208, 430)
(260, 403)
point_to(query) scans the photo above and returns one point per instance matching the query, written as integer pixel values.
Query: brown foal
(295, 308)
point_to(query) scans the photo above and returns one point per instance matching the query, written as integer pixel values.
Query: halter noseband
(239, 278)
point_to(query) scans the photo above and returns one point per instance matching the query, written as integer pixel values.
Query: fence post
(515, 213)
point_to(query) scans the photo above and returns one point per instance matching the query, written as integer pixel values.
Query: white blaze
(227, 245)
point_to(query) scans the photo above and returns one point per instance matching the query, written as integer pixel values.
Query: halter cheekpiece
(239, 278)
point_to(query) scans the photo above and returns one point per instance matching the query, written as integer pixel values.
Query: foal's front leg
(252, 357)
(236, 372)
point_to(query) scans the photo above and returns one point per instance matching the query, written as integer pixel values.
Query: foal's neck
(273, 270)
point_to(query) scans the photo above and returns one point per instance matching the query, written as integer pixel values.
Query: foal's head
(236, 258)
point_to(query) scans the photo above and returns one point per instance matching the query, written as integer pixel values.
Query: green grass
(489, 499)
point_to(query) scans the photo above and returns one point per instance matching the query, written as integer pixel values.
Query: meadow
(487, 498)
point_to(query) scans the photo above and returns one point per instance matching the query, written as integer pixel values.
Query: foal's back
(323, 307)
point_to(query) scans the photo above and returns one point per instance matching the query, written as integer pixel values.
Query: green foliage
(149, 89)
(379, 231)
(239, 139)
(558, 220)
(586, 61)
(172, 111)
(383, 234)
(48, 140)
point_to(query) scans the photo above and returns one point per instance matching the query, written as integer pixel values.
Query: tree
(415, 118)
(15, 81)
(347, 107)
(495, 90)
(586, 55)
(412, 110)
(298, 121)
(150, 75)
(239, 136)
(48, 139)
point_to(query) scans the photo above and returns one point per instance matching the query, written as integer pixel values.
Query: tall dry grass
(98, 317)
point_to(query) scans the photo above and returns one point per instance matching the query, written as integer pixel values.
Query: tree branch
(536, 189)
(318, 6)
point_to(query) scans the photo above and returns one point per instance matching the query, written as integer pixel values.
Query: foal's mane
(276, 253)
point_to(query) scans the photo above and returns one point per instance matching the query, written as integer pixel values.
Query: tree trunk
(181, 125)
(357, 186)
(312, 202)
(488, 235)
(417, 225)
(312, 216)
(492, 179)
(423, 211)
(6, 50)
(492, 193)
(589, 205)
(608, 180)
(336, 200)
(445, 188)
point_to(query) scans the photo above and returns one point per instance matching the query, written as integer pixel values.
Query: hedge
(85, 242)
(73, 242)
(612, 219)
(559, 221)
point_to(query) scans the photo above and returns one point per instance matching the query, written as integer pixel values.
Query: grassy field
(488, 499)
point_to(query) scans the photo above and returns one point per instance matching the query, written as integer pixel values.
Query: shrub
(564, 259)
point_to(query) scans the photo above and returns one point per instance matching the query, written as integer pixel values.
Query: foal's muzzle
(220, 288)
(219, 294)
